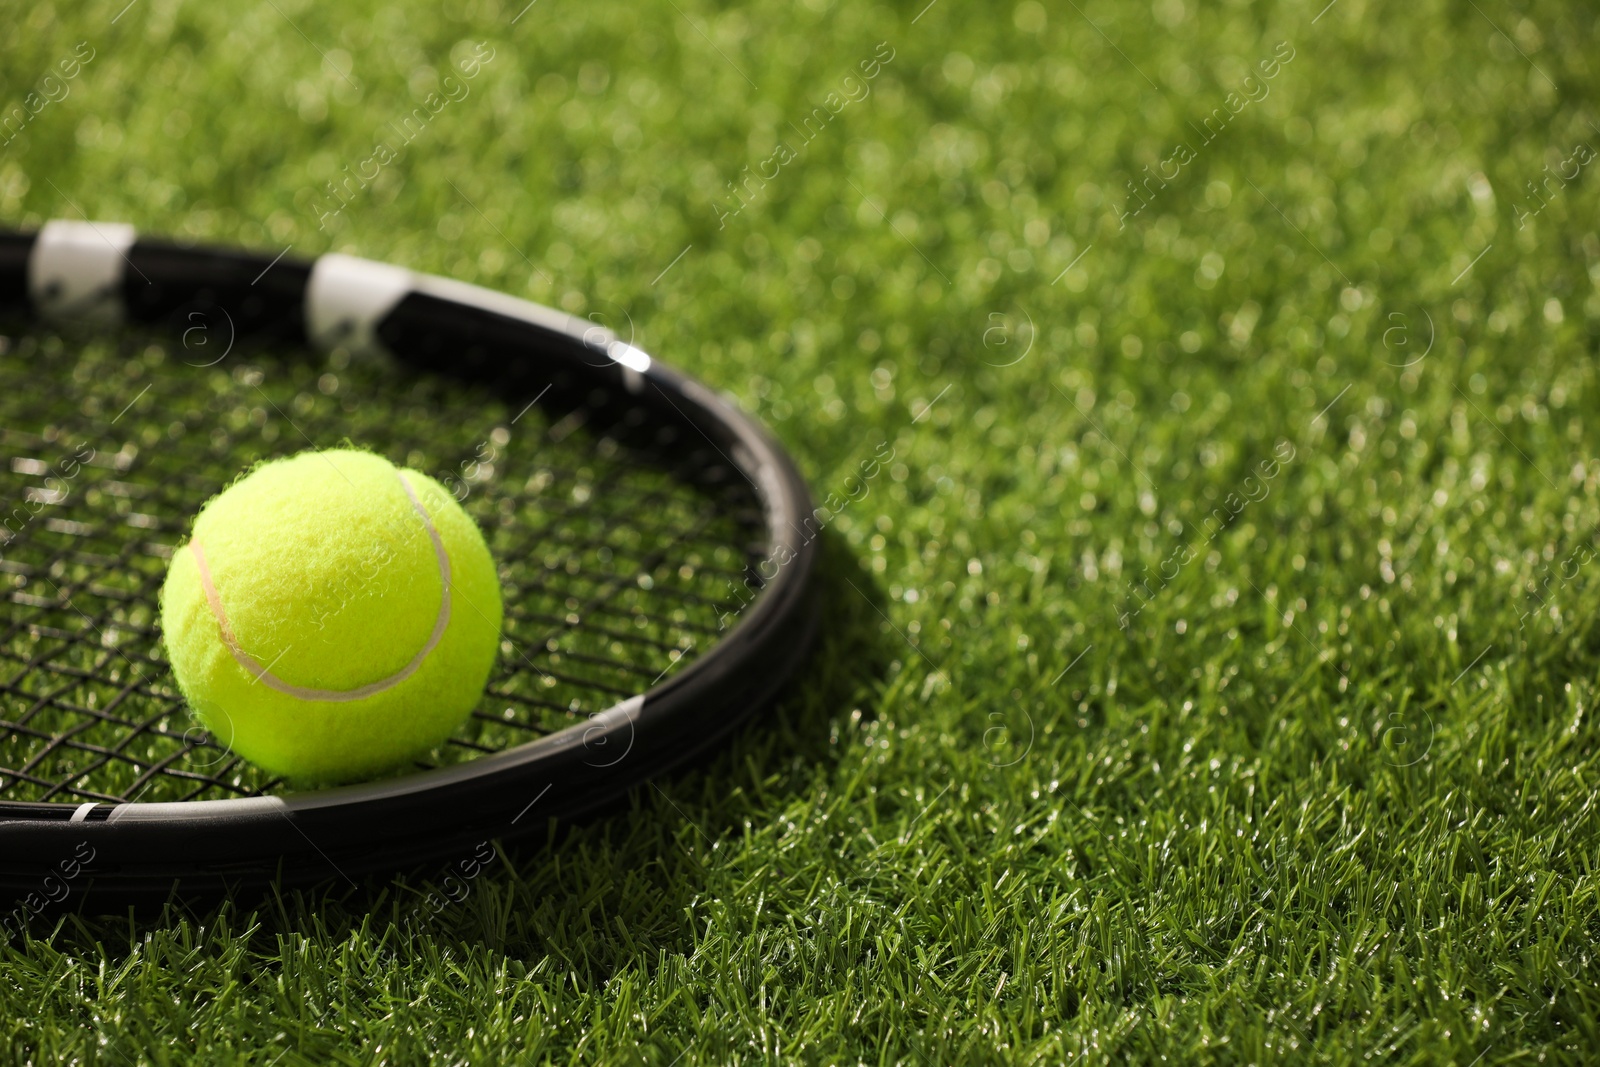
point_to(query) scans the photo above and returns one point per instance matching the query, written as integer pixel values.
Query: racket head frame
(104, 275)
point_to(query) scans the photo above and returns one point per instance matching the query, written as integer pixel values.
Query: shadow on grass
(611, 889)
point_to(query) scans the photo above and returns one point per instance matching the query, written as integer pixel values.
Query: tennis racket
(655, 547)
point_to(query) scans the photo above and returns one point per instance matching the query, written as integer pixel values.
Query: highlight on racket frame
(89, 720)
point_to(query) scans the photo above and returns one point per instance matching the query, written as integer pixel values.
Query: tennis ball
(332, 615)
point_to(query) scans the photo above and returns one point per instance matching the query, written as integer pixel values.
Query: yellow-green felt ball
(332, 615)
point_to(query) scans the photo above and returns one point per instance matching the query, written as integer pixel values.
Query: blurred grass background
(1081, 770)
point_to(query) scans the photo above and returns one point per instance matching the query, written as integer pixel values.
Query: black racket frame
(133, 851)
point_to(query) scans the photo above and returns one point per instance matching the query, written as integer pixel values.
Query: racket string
(614, 560)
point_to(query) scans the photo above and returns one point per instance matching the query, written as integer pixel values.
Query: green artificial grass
(1210, 673)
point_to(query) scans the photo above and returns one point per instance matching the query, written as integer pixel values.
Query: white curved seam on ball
(266, 677)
